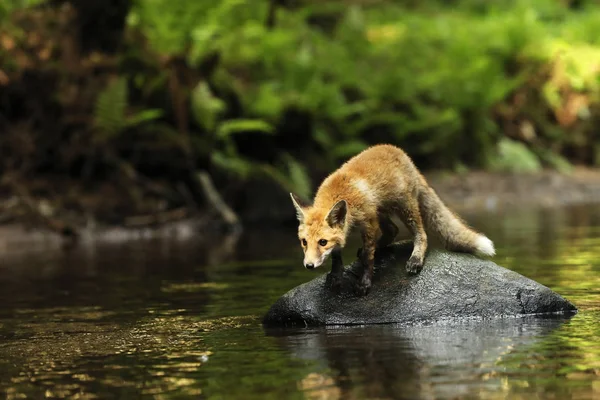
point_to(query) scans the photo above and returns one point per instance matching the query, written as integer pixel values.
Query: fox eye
(304, 242)
(322, 242)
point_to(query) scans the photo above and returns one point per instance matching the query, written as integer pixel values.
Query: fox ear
(337, 214)
(299, 212)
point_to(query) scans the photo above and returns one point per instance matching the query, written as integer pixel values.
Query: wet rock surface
(450, 286)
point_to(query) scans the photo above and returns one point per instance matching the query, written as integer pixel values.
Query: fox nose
(310, 266)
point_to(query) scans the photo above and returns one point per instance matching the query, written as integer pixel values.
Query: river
(181, 319)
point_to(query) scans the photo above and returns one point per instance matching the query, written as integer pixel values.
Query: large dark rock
(450, 286)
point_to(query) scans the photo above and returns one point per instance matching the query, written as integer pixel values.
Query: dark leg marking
(334, 278)
(371, 234)
(389, 231)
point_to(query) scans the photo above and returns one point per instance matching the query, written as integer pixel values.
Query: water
(173, 320)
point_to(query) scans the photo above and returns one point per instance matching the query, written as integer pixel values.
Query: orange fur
(365, 192)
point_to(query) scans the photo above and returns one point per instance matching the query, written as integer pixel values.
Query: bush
(429, 79)
(226, 87)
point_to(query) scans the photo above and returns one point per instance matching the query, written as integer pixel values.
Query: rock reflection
(450, 360)
(319, 387)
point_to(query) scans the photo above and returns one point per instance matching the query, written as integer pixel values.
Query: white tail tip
(485, 246)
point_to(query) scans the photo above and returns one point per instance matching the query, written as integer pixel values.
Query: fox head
(320, 231)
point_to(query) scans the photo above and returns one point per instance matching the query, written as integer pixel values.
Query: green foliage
(208, 111)
(293, 177)
(172, 27)
(233, 126)
(8, 6)
(206, 107)
(448, 82)
(427, 77)
(554, 160)
(446, 75)
(111, 105)
(514, 156)
(110, 111)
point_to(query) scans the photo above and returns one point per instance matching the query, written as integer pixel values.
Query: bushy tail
(456, 235)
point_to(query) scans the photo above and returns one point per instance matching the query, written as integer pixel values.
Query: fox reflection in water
(409, 362)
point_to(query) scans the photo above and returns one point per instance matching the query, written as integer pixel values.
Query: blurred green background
(130, 100)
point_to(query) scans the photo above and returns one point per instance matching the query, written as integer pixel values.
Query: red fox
(366, 191)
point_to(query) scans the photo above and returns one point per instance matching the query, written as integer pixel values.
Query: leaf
(295, 179)
(109, 110)
(349, 148)
(233, 126)
(298, 176)
(265, 101)
(233, 164)
(554, 160)
(206, 107)
(144, 116)
(515, 156)
(322, 136)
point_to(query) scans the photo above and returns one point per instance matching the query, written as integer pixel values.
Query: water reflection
(436, 361)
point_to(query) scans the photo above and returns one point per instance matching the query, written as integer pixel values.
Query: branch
(216, 201)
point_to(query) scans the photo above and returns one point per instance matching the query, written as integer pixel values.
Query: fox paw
(364, 287)
(334, 282)
(414, 265)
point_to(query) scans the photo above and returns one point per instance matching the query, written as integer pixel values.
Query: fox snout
(312, 264)
(314, 260)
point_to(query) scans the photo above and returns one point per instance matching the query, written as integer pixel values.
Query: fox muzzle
(317, 260)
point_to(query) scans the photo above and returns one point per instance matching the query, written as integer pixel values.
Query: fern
(348, 148)
(109, 110)
(233, 164)
(147, 115)
(171, 25)
(233, 126)
(298, 176)
(7, 7)
(206, 107)
(514, 156)
(295, 179)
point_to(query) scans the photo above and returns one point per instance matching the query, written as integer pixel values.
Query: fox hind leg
(389, 231)
(411, 217)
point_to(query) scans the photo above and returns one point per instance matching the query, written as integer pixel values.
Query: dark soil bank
(264, 203)
(468, 192)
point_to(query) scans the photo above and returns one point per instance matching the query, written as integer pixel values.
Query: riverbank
(478, 191)
(466, 193)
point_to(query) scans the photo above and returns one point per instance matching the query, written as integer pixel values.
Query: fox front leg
(334, 278)
(370, 236)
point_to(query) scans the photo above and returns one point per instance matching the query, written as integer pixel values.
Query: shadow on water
(164, 319)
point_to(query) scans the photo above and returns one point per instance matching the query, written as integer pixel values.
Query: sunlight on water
(166, 320)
